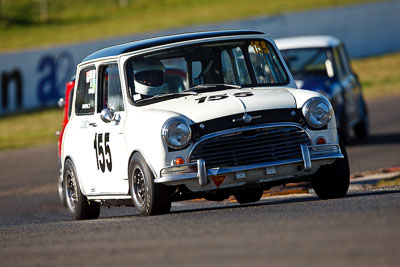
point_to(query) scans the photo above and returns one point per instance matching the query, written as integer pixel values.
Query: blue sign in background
(54, 73)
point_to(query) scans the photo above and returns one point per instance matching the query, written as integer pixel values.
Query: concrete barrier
(36, 79)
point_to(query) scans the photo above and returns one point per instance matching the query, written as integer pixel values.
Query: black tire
(60, 186)
(249, 195)
(361, 129)
(61, 193)
(148, 197)
(332, 181)
(77, 203)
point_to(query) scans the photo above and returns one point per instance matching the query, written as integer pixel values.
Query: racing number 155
(101, 152)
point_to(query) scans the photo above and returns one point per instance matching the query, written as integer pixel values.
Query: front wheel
(249, 195)
(148, 197)
(77, 203)
(332, 181)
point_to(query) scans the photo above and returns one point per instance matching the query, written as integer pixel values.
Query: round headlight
(176, 133)
(317, 112)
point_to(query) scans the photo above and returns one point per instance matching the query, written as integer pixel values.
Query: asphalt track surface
(361, 229)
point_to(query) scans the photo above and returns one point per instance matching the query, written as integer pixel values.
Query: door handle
(93, 124)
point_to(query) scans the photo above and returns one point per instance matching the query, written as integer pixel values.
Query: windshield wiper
(202, 87)
(167, 95)
(193, 90)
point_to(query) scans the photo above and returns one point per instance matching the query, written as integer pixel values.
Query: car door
(78, 142)
(349, 84)
(109, 148)
(354, 82)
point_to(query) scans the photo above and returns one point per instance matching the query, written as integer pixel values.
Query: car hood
(211, 105)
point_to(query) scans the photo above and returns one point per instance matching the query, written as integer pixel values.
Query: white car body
(92, 144)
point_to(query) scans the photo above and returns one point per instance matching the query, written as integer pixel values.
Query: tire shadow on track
(207, 206)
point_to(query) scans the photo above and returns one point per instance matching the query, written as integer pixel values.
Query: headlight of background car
(176, 133)
(317, 112)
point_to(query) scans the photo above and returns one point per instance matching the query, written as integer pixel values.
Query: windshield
(310, 62)
(216, 65)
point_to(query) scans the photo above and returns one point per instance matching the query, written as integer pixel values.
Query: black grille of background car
(251, 147)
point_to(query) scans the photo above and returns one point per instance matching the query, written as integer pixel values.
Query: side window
(227, 68)
(71, 93)
(110, 94)
(260, 65)
(197, 68)
(175, 76)
(345, 60)
(265, 63)
(241, 67)
(85, 94)
(339, 66)
(207, 71)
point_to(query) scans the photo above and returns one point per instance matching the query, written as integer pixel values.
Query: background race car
(321, 64)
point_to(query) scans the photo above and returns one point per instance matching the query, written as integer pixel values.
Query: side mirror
(107, 115)
(61, 102)
(329, 68)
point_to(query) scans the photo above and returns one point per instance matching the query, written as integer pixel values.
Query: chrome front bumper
(197, 170)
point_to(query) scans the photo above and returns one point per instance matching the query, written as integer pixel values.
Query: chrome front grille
(251, 145)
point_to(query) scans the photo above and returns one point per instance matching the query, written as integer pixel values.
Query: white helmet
(149, 76)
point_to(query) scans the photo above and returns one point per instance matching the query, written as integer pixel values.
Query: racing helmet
(148, 76)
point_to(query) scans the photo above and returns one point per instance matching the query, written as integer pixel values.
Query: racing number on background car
(101, 152)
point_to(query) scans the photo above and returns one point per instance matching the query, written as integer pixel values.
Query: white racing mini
(196, 115)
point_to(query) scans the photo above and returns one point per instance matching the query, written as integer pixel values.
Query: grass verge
(380, 76)
(30, 129)
(392, 182)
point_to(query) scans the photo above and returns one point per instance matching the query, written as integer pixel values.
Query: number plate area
(218, 180)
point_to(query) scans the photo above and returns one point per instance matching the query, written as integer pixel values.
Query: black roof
(146, 43)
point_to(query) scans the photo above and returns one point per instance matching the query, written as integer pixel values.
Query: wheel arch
(70, 158)
(137, 151)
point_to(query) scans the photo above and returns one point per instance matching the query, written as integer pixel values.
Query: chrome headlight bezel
(317, 112)
(169, 129)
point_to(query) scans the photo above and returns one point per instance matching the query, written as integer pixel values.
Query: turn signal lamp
(178, 161)
(321, 140)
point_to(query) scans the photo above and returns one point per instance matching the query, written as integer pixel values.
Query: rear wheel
(148, 197)
(60, 186)
(77, 203)
(61, 194)
(249, 195)
(332, 181)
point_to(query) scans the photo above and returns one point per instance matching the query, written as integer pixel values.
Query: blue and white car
(321, 64)
(236, 124)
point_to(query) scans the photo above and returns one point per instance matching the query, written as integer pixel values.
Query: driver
(149, 77)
